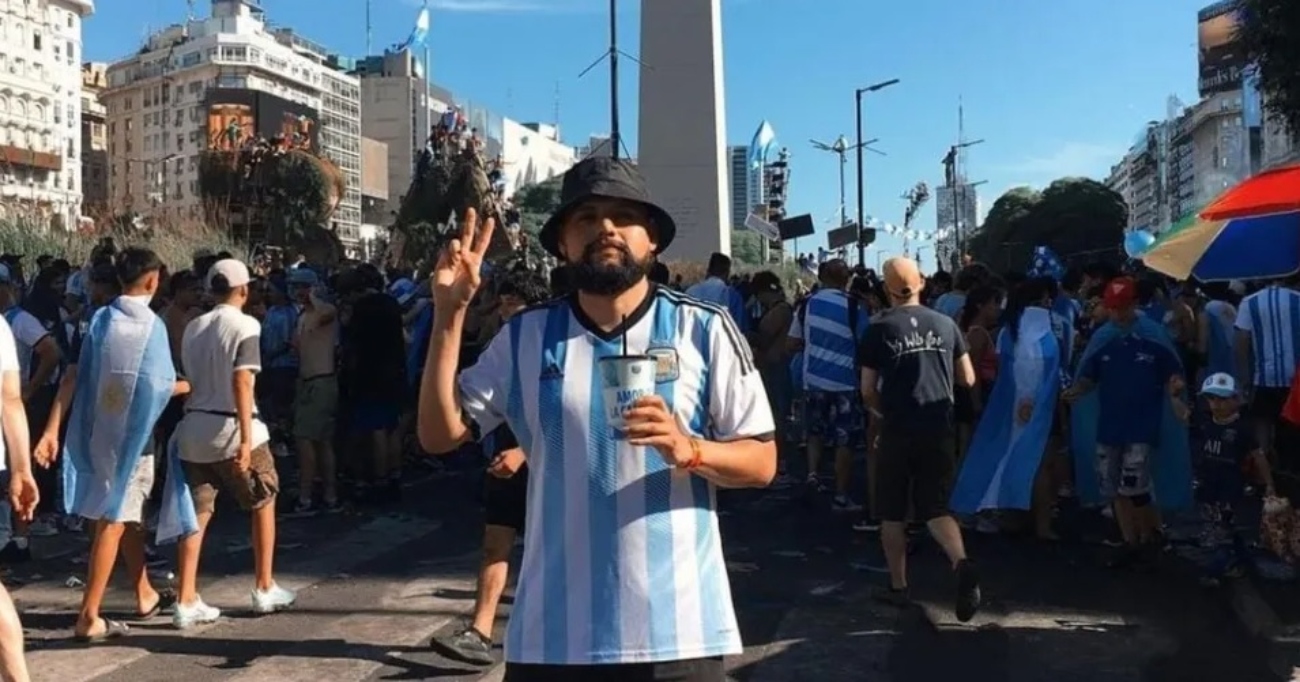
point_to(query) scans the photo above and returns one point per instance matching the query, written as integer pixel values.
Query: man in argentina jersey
(623, 574)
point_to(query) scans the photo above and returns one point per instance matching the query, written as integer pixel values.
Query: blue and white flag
(761, 145)
(1004, 456)
(125, 379)
(419, 32)
(1045, 263)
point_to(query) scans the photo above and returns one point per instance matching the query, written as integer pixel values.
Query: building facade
(167, 103)
(683, 122)
(533, 153)
(94, 140)
(746, 185)
(40, 106)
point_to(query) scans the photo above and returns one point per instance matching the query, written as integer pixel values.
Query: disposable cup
(625, 379)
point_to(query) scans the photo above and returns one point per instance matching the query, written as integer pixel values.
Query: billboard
(1220, 56)
(238, 117)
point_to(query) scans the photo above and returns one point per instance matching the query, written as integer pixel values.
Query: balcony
(30, 158)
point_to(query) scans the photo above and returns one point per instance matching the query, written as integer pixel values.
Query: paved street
(374, 588)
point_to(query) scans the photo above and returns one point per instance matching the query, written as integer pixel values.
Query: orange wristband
(696, 456)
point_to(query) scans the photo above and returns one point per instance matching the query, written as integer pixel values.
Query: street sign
(867, 237)
(762, 227)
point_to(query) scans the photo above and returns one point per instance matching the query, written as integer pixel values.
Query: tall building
(40, 104)
(746, 186)
(683, 122)
(177, 95)
(94, 140)
(597, 145)
(533, 153)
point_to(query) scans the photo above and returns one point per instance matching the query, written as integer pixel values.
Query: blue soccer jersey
(622, 555)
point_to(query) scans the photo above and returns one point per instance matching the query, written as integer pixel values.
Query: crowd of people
(131, 396)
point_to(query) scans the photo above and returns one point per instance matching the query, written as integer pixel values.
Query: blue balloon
(1138, 242)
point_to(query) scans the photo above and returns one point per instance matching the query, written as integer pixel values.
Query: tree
(1075, 217)
(746, 248)
(1269, 32)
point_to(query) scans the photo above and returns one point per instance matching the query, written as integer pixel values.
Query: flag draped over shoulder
(1171, 469)
(1004, 455)
(125, 378)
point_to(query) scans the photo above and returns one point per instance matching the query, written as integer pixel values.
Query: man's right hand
(457, 275)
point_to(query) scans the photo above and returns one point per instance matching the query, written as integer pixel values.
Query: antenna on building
(189, 11)
(369, 29)
(961, 140)
(557, 104)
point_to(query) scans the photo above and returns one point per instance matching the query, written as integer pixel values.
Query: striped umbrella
(1251, 231)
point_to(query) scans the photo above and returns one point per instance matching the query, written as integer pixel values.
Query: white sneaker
(271, 600)
(198, 613)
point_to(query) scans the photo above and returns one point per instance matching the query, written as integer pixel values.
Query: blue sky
(1056, 88)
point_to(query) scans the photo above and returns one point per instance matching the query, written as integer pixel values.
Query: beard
(605, 278)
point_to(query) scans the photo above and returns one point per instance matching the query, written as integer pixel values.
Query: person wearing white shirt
(23, 493)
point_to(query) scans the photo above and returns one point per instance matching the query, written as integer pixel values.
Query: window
(36, 41)
(180, 143)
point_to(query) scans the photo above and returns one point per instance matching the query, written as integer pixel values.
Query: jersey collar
(628, 322)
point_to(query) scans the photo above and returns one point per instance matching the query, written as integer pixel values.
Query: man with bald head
(910, 358)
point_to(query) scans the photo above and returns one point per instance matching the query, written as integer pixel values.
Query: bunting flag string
(907, 233)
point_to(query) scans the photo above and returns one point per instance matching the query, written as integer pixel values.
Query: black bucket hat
(606, 178)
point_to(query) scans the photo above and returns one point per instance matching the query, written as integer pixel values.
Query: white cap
(1220, 385)
(234, 272)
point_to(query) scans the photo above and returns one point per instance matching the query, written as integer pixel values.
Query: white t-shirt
(27, 332)
(216, 345)
(8, 363)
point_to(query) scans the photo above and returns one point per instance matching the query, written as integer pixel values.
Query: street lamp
(857, 96)
(841, 148)
(957, 182)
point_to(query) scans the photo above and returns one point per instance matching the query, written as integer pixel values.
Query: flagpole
(615, 139)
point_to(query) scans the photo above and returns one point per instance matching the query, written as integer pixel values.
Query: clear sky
(1059, 87)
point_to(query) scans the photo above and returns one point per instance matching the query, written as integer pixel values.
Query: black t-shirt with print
(912, 350)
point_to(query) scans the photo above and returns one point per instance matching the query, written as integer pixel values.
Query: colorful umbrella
(1252, 231)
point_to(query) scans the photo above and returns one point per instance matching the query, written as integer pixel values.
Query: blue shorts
(835, 417)
(368, 417)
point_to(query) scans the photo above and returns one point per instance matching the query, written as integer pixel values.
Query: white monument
(682, 145)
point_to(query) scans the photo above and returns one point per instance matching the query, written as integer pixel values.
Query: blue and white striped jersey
(622, 556)
(1272, 316)
(831, 342)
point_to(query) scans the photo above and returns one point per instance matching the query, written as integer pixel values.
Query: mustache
(594, 247)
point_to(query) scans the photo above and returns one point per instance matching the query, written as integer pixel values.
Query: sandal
(166, 600)
(112, 630)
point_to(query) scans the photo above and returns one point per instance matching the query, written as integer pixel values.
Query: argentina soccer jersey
(632, 403)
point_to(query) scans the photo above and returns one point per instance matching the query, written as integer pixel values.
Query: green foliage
(541, 199)
(746, 247)
(1269, 31)
(1073, 216)
(174, 244)
(290, 192)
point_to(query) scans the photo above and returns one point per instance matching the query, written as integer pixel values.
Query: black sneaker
(968, 591)
(468, 645)
(13, 554)
(894, 596)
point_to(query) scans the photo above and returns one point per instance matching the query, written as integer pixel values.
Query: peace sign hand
(456, 277)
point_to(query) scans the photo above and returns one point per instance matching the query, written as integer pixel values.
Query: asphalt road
(376, 586)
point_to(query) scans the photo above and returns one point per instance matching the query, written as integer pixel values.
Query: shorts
(316, 403)
(916, 461)
(275, 391)
(835, 417)
(1124, 471)
(369, 416)
(252, 489)
(505, 500)
(137, 491)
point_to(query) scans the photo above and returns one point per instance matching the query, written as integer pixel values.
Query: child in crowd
(1228, 449)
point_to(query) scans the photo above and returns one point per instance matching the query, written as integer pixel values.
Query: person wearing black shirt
(909, 358)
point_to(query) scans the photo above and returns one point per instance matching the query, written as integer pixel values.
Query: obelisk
(682, 142)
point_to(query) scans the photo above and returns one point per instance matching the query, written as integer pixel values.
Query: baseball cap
(303, 277)
(903, 277)
(1120, 292)
(231, 272)
(1220, 384)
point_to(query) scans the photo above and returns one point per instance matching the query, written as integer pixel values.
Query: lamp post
(958, 182)
(841, 147)
(857, 96)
